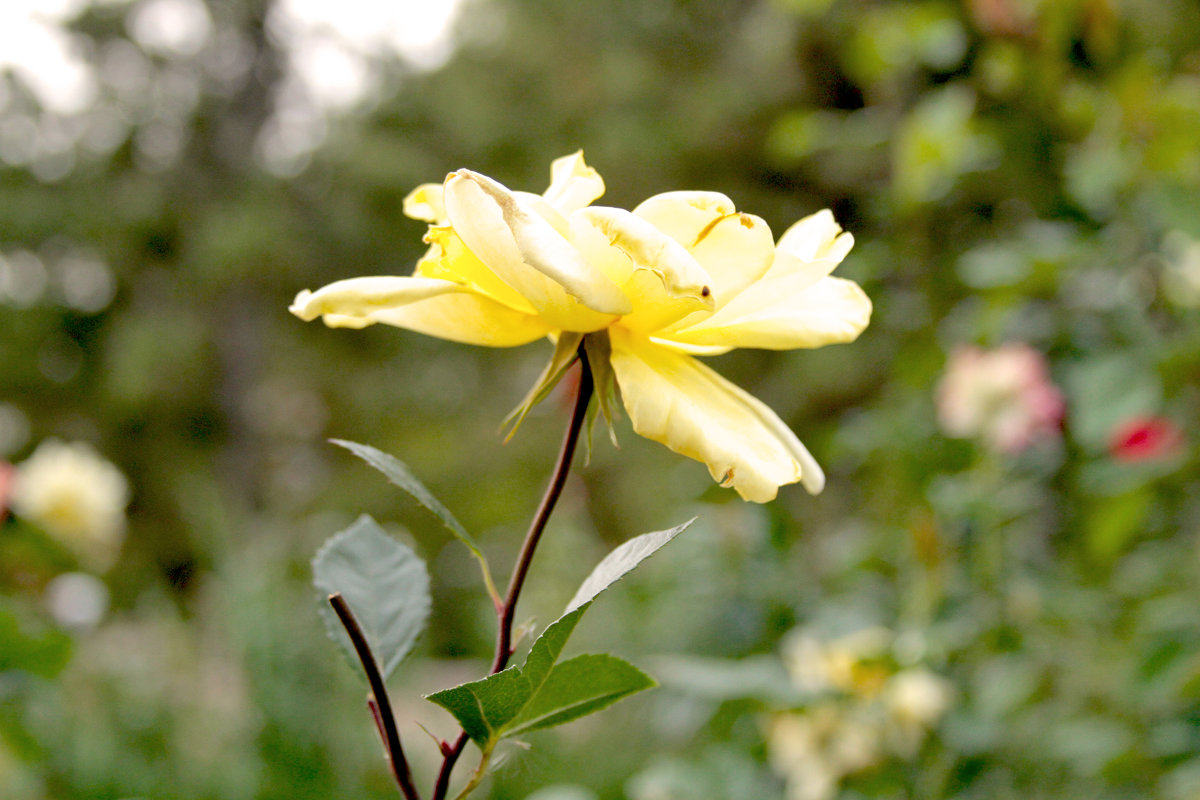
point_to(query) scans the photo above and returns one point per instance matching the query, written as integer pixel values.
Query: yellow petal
(449, 259)
(783, 314)
(425, 203)
(360, 297)
(535, 202)
(674, 399)
(528, 254)
(440, 308)
(662, 280)
(573, 184)
(735, 249)
(469, 318)
(812, 247)
(691, 349)
(683, 215)
(817, 236)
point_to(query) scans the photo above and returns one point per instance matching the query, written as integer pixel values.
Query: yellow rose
(682, 275)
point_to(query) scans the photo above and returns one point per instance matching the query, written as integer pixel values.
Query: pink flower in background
(6, 478)
(1002, 396)
(1145, 439)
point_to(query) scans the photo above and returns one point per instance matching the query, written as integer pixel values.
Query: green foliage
(29, 646)
(544, 692)
(385, 584)
(399, 474)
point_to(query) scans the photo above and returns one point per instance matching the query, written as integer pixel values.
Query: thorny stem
(381, 707)
(504, 649)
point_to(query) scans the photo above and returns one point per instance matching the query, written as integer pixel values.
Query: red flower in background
(1145, 439)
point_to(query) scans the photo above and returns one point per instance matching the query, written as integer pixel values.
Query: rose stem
(521, 568)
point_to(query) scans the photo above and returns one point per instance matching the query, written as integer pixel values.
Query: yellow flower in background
(75, 495)
(682, 275)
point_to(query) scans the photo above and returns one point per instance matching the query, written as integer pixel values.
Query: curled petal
(683, 215)
(573, 184)
(735, 249)
(674, 399)
(525, 251)
(783, 314)
(661, 279)
(426, 203)
(816, 237)
(434, 307)
(361, 297)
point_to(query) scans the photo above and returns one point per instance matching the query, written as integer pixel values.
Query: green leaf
(566, 350)
(544, 693)
(549, 646)
(400, 475)
(486, 706)
(616, 565)
(577, 687)
(385, 584)
(621, 561)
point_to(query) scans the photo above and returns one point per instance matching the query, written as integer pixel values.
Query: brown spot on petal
(746, 220)
(705, 292)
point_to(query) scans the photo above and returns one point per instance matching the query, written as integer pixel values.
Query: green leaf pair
(386, 585)
(544, 692)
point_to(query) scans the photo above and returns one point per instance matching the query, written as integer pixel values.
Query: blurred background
(996, 595)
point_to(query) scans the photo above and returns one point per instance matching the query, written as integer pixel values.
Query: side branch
(381, 706)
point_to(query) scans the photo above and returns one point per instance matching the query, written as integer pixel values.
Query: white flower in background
(916, 700)
(1181, 276)
(815, 750)
(1002, 396)
(77, 600)
(848, 663)
(869, 710)
(76, 496)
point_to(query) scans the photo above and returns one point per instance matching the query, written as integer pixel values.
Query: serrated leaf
(544, 693)
(566, 350)
(400, 475)
(549, 646)
(621, 561)
(483, 708)
(577, 687)
(617, 564)
(385, 584)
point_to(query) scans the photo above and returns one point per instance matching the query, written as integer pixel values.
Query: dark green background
(1012, 170)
